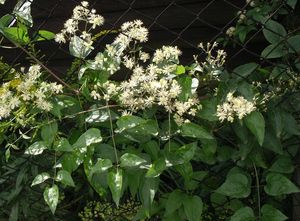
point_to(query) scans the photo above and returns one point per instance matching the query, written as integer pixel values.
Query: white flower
(234, 106)
(2, 1)
(95, 20)
(60, 38)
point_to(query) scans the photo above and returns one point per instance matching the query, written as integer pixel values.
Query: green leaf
(78, 48)
(91, 136)
(44, 35)
(283, 164)
(193, 207)
(269, 213)
(101, 166)
(186, 88)
(294, 44)
(180, 70)
(245, 70)
(156, 168)
(273, 51)
(243, 214)
(115, 182)
(127, 122)
(292, 3)
(131, 160)
(236, 185)
(256, 124)
(195, 131)
(14, 212)
(40, 178)
(174, 202)
(98, 116)
(278, 184)
(51, 195)
(208, 110)
(152, 148)
(48, 132)
(65, 177)
(63, 145)
(5, 21)
(36, 148)
(186, 152)
(16, 35)
(274, 31)
(147, 192)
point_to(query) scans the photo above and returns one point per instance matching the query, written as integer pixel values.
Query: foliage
(154, 144)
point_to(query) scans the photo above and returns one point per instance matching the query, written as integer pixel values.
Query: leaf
(14, 212)
(195, 131)
(156, 168)
(98, 116)
(180, 70)
(127, 122)
(51, 195)
(174, 202)
(65, 177)
(78, 48)
(16, 35)
(294, 44)
(23, 11)
(101, 166)
(115, 182)
(273, 51)
(48, 132)
(283, 164)
(269, 213)
(274, 31)
(152, 148)
(5, 21)
(236, 185)
(44, 35)
(193, 207)
(36, 148)
(256, 124)
(147, 192)
(186, 88)
(278, 184)
(243, 214)
(131, 160)
(245, 70)
(40, 178)
(91, 136)
(63, 145)
(208, 110)
(292, 3)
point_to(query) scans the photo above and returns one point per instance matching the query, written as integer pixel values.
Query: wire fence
(184, 23)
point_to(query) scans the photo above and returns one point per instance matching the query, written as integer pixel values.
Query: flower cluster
(213, 64)
(154, 85)
(234, 107)
(2, 1)
(114, 54)
(71, 30)
(27, 89)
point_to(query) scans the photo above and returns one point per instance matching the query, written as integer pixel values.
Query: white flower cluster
(91, 20)
(114, 54)
(234, 107)
(27, 89)
(150, 86)
(230, 31)
(213, 64)
(2, 1)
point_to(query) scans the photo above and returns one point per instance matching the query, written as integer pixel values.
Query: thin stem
(169, 119)
(44, 67)
(258, 191)
(112, 135)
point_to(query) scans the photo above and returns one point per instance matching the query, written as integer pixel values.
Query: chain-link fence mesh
(184, 23)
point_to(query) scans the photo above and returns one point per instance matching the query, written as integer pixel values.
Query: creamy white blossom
(234, 107)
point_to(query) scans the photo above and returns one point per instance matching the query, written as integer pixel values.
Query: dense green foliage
(221, 147)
